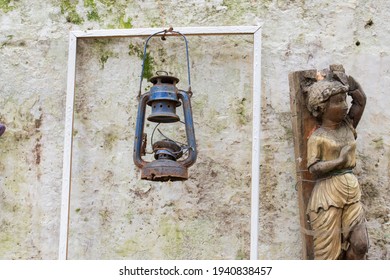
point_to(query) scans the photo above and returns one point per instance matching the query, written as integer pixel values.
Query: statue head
(320, 92)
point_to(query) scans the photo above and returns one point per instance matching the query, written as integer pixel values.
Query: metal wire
(183, 147)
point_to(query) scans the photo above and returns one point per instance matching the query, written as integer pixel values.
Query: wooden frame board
(74, 36)
(303, 124)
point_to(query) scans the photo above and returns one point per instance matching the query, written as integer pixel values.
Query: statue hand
(353, 84)
(345, 151)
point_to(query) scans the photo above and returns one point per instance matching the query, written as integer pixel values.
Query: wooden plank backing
(302, 124)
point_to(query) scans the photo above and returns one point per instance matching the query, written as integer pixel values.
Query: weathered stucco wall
(113, 214)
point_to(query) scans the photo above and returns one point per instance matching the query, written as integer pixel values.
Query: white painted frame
(74, 36)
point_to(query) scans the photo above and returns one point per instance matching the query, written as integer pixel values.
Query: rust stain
(38, 146)
(38, 151)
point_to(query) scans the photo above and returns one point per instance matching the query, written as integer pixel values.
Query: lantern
(164, 98)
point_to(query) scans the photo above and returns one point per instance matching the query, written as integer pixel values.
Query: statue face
(336, 108)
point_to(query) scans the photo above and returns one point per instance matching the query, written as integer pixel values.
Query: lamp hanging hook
(164, 32)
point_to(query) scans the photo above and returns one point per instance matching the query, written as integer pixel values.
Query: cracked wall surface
(114, 215)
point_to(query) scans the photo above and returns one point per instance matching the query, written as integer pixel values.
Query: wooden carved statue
(334, 211)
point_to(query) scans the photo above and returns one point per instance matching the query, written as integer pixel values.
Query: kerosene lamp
(163, 98)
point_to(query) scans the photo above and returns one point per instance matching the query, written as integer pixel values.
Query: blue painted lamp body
(164, 97)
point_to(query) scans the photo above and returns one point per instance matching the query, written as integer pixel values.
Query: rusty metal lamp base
(164, 170)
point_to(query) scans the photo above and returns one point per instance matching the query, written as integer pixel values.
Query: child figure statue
(335, 212)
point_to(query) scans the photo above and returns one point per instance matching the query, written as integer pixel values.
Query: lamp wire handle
(165, 31)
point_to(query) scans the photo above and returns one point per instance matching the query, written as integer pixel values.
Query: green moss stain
(105, 55)
(129, 216)
(125, 23)
(110, 139)
(10, 206)
(156, 22)
(149, 61)
(5, 6)
(118, 17)
(378, 143)
(107, 3)
(92, 13)
(15, 225)
(288, 133)
(181, 239)
(241, 255)
(218, 125)
(148, 66)
(134, 247)
(236, 8)
(135, 50)
(172, 237)
(68, 8)
(128, 248)
(200, 103)
(7, 241)
(284, 120)
(13, 186)
(241, 111)
(7, 41)
(103, 51)
(89, 3)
